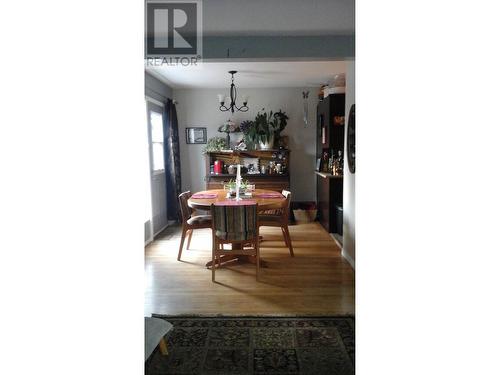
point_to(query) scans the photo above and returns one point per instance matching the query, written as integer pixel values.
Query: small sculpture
(241, 146)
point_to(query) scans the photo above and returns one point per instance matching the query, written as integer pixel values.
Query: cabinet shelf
(257, 175)
(276, 182)
(330, 139)
(328, 175)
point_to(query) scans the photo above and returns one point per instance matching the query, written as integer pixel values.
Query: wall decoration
(196, 135)
(305, 110)
(351, 141)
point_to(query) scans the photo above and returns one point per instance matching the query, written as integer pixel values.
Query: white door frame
(151, 172)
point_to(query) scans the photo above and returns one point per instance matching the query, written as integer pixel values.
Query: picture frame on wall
(196, 135)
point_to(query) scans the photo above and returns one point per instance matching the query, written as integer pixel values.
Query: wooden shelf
(330, 138)
(327, 175)
(247, 175)
(276, 182)
(243, 152)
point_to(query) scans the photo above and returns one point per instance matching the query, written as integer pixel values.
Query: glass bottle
(340, 164)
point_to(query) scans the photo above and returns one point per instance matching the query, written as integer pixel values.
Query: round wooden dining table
(263, 199)
(258, 195)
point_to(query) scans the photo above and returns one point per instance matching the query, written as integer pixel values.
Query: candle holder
(238, 182)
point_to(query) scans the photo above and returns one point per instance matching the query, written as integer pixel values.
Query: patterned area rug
(256, 345)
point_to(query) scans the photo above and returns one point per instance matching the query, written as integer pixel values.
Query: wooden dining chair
(236, 225)
(280, 218)
(190, 221)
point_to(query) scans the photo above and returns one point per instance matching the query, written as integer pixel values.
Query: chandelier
(232, 93)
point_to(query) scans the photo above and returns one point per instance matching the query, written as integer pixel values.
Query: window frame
(154, 172)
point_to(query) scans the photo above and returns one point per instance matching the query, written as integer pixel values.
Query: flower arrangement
(231, 185)
(214, 144)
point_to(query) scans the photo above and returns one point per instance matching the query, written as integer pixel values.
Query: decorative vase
(268, 145)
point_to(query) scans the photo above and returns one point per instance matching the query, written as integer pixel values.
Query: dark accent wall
(296, 47)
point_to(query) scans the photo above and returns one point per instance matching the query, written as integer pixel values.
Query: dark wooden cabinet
(330, 140)
(329, 195)
(330, 133)
(323, 197)
(270, 181)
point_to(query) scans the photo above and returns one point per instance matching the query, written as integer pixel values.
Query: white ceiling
(250, 74)
(278, 17)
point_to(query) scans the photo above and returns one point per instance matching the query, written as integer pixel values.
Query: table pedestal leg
(224, 259)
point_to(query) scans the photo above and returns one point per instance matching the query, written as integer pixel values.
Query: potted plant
(265, 130)
(231, 186)
(214, 144)
(266, 127)
(279, 122)
(246, 127)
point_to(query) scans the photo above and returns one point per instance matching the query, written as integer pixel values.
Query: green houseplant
(246, 127)
(214, 144)
(266, 127)
(231, 185)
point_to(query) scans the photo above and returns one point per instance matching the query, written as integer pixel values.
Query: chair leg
(213, 261)
(189, 238)
(257, 255)
(183, 236)
(288, 240)
(284, 236)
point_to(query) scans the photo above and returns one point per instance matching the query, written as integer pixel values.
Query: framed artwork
(196, 135)
(251, 164)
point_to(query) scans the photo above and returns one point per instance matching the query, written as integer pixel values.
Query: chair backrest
(235, 222)
(183, 204)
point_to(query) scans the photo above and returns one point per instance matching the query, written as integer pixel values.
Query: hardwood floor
(318, 280)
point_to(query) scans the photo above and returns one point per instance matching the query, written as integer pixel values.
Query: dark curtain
(172, 160)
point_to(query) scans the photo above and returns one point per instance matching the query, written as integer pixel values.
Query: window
(156, 120)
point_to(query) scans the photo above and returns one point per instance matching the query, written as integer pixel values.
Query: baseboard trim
(169, 223)
(348, 258)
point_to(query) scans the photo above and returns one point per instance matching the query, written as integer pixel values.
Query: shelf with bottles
(256, 162)
(331, 162)
(275, 163)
